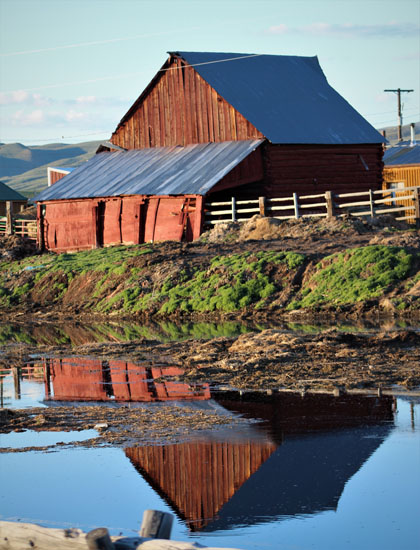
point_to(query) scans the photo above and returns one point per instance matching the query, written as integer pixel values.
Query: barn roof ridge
(286, 97)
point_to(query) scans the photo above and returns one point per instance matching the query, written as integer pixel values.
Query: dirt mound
(265, 228)
(14, 247)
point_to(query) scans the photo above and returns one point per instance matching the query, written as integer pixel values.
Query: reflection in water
(164, 331)
(299, 467)
(85, 379)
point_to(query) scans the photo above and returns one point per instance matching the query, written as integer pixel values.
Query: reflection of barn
(85, 379)
(300, 468)
(209, 125)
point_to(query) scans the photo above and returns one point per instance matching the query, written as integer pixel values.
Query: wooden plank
(21, 536)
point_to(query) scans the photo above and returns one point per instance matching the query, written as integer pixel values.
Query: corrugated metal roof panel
(194, 169)
(402, 155)
(287, 98)
(9, 194)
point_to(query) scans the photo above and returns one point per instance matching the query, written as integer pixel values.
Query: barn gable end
(180, 108)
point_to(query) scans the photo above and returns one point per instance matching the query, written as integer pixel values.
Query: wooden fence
(404, 205)
(24, 228)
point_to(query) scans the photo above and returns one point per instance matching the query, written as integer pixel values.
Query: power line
(399, 91)
(107, 132)
(129, 74)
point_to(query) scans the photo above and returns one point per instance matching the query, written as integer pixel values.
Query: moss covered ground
(165, 281)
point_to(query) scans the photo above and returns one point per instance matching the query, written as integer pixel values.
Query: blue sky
(70, 69)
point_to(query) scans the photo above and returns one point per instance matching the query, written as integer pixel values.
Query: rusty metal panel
(193, 169)
(68, 225)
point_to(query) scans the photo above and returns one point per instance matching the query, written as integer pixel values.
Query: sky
(70, 69)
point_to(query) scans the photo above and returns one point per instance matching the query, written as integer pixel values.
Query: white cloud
(72, 116)
(33, 118)
(86, 99)
(24, 98)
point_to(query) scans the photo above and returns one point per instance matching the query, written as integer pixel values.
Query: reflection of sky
(31, 438)
(377, 509)
(31, 393)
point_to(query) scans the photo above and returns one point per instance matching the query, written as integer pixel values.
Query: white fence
(404, 201)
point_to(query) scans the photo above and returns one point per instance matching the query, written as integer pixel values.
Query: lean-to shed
(7, 194)
(263, 125)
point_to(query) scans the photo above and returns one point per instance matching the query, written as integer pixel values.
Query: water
(311, 472)
(317, 472)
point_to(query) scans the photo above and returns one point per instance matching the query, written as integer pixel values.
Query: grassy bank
(170, 279)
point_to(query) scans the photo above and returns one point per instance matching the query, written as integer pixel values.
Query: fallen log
(29, 536)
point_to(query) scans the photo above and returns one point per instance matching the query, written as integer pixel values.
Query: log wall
(307, 169)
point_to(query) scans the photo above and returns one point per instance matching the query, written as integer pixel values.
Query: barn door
(100, 223)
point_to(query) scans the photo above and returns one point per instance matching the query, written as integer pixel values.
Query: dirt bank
(262, 268)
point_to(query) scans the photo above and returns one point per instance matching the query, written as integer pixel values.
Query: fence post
(99, 539)
(329, 204)
(261, 201)
(9, 218)
(372, 210)
(156, 525)
(233, 209)
(296, 205)
(416, 200)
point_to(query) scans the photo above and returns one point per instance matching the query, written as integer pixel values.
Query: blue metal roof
(402, 155)
(194, 169)
(9, 194)
(287, 98)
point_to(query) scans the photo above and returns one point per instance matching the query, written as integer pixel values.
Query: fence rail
(21, 227)
(390, 201)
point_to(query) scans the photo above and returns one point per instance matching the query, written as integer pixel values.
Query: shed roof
(9, 194)
(403, 155)
(193, 169)
(287, 98)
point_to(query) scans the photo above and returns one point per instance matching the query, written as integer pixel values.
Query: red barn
(210, 125)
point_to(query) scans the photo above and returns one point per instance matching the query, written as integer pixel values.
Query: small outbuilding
(7, 194)
(209, 125)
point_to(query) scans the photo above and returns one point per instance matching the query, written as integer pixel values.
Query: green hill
(24, 168)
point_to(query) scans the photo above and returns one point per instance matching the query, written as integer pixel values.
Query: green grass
(231, 283)
(354, 276)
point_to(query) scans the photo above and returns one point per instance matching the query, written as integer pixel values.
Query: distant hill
(24, 168)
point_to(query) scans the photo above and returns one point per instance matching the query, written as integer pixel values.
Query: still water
(315, 472)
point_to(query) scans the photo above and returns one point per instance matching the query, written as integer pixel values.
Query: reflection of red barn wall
(198, 478)
(81, 379)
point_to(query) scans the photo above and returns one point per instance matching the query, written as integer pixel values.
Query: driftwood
(28, 536)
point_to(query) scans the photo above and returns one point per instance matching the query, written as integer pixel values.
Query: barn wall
(311, 169)
(180, 108)
(409, 175)
(83, 224)
(54, 176)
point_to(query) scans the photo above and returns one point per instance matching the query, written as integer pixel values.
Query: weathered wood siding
(310, 169)
(198, 478)
(71, 225)
(180, 108)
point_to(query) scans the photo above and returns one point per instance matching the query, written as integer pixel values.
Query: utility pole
(398, 91)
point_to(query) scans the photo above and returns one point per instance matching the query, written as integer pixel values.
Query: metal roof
(193, 169)
(287, 98)
(9, 194)
(402, 155)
